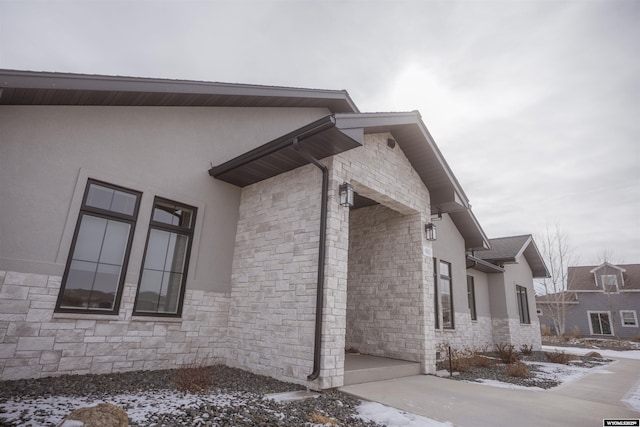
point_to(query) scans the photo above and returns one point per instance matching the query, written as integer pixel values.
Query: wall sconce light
(346, 195)
(430, 230)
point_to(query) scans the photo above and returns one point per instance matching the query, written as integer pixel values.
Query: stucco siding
(48, 152)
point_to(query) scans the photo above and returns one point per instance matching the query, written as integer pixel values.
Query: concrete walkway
(584, 402)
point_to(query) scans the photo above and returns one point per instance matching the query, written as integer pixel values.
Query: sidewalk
(584, 402)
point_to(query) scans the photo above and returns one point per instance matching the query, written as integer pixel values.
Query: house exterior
(150, 224)
(602, 301)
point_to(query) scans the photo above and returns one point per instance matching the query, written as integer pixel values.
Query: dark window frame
(471, 296)
(186, 231)
(436, 294)
(451, 308)
(87, 210)
(523, 305)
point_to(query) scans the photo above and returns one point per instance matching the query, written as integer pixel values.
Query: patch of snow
(290, 396)
(615, 354)
(391, 417)
(72, 423)
(137, 406)
(633, 399)
(562, 373)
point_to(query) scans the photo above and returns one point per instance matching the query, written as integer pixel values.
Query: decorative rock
(102, 415)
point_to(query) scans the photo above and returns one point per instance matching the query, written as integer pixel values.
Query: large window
(446, 295)
(629, 318)
(166, 259)
(471, 296)
(95, 271)
(600, 322)
(523, 304)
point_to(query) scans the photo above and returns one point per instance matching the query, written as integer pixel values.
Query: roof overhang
(45, 88)
(322, 138)
(482, 265)
(607, 264)
(412, 136)
(535, 260)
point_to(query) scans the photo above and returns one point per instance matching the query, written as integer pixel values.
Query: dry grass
(560, 357)
(527, 350)
(506, 353)
(317, 418)
(545, 331)
(518, 369)
(196, 377)
(575, 332)
(464, 359)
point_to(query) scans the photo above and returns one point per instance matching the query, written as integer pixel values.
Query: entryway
(363, 368)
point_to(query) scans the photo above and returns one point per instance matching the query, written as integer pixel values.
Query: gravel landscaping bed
(538, 377)
(236, 398)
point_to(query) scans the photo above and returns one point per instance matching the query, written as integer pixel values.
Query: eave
(45, 88)
(482, 265)
(321, 139)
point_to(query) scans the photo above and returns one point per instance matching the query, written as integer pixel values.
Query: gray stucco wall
(48, 152)
(46, 156)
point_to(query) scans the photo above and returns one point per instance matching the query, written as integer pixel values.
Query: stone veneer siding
(468, 334)
(385, 284)
(386, 176)
(511, 331)
(272, 311)
(272, 308)
(35, 342)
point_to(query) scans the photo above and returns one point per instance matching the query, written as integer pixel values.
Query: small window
(609, 282)
(96, 267)
(523, 304)
(471, 296)
(166, 260)
(600, 322)
(446, 295)
(629, 318)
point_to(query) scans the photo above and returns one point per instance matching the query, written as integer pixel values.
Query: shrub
(575, 331)
(506, 353)
(195, 377)
(560, 357)
(317, 418)
(545, 331)
(518, 369)
(526, 349)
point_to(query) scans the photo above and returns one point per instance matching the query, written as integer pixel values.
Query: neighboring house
(602, 300)
(150, 224)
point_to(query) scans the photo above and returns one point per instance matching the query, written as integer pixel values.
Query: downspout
(321, 259)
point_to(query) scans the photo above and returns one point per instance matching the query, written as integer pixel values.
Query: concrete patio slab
(584, 402)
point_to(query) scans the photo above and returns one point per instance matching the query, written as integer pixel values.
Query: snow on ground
(373, 411)
(51, 410)
(633, 399)
(615, 354)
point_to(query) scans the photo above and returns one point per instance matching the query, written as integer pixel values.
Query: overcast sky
(534, 104)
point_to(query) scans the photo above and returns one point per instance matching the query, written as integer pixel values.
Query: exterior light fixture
(346, 195)
(430, 230)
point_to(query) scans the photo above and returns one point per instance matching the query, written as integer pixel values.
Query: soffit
(42, 88)
(320, 139)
